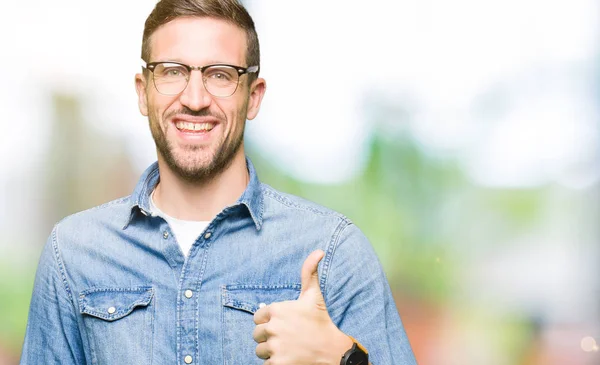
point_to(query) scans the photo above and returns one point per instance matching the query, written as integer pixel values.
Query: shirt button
(188, 359)
(262, 305)
(207, 235)
(165, 234)
(112, 310)
(188, 293)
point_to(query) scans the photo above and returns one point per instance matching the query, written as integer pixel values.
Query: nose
(195, 96)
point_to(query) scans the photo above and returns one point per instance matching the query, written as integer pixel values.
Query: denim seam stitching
(229, 300)
(62, 270)
(110, 203)
(144, 301)
(198, 286)
(60, 264)
(270, 192)
(331, 248)
(222, 327)
(135, 289)
(233, 287)
(152, 315)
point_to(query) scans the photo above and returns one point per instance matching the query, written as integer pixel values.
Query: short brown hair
(228, 10)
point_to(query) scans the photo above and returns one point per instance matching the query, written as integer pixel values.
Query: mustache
(194, 113)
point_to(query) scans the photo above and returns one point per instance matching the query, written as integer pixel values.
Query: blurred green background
(461, 137)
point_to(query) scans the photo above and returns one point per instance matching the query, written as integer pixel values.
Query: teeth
(194, 126)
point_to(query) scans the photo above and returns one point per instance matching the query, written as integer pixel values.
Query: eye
(221, 74)
(170, 71)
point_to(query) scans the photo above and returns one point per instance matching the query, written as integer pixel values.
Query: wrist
(342, 344)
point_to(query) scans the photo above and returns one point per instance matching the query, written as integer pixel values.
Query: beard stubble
(197, 170)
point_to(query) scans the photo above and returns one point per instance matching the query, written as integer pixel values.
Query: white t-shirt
(186, 232)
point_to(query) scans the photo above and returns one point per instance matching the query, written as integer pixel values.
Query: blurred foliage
(419, 212)
(16, 283)
(395, 201)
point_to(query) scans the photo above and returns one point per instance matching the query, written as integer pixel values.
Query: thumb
(310, 274)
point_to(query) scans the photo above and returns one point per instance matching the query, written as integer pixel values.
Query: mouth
(194, 125)
(191, 127)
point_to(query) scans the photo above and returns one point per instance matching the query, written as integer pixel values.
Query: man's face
(197, 135)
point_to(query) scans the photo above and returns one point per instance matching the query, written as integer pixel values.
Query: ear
(257, 91)
(140, 88)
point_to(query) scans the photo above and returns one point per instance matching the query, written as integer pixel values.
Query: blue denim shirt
(113, 286)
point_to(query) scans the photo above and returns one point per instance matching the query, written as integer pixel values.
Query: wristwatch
(357, 355)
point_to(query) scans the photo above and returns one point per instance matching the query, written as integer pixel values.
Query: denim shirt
(113, 287)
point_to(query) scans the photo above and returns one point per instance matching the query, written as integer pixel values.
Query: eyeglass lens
(172, 78)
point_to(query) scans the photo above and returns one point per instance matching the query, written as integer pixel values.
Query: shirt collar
(251, 198)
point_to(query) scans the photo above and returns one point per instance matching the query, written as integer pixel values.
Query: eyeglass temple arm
(252, 69)
(145, 65)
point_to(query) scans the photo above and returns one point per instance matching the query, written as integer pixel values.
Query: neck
(184, 200)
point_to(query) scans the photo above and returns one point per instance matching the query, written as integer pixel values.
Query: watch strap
(363, 349)
(356, 347)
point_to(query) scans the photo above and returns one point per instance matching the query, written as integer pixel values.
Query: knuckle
(268, 330)
(274, 308)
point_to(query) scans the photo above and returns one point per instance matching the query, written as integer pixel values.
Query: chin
(196, 167)
(193, 174)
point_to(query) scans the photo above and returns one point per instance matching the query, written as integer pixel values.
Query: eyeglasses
(220, 80)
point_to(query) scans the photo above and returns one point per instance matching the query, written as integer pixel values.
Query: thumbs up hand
(300, 331)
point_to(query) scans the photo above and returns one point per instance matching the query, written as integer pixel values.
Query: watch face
(357, 358)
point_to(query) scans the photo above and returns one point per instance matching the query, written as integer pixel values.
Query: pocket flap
(111, 304)
(249, 297)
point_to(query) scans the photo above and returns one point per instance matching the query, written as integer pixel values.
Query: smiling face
(197, 135)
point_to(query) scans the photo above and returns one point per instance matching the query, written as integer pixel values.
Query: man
(203, 264)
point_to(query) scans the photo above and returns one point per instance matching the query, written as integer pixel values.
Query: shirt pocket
(239, 303)
(119, 323)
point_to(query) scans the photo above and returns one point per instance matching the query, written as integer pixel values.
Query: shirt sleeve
(359, 299)
(52, 335)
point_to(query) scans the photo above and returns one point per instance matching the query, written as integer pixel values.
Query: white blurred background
(477, 119)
